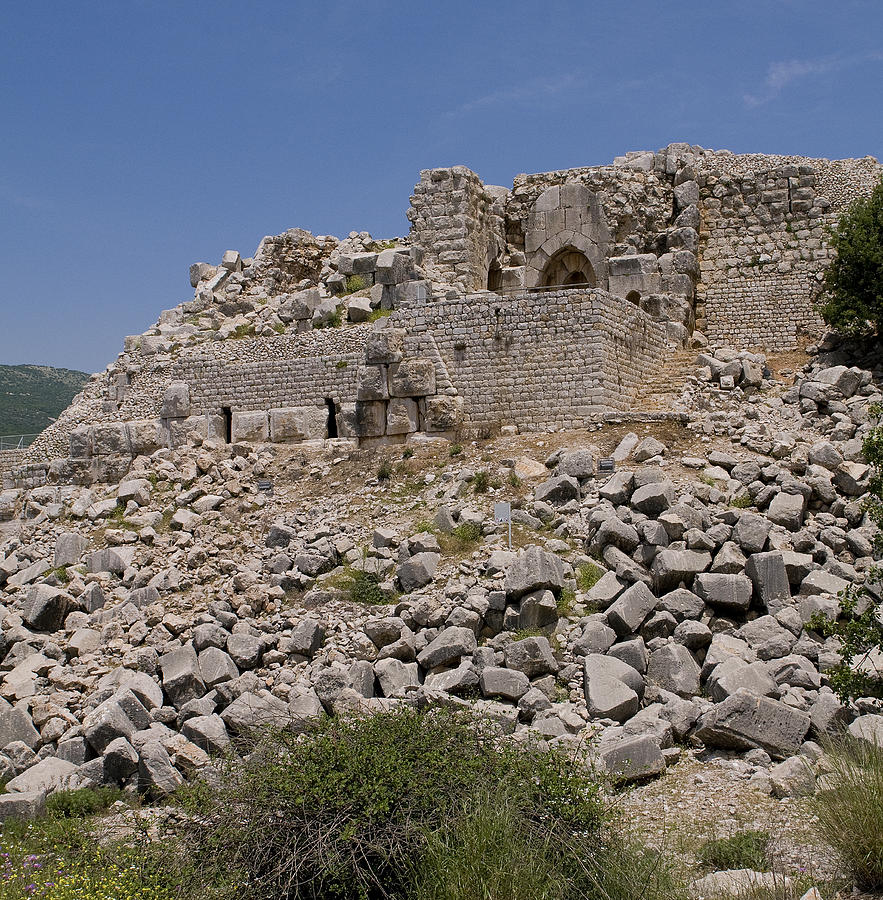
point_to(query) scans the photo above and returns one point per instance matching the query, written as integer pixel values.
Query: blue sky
(141, 136)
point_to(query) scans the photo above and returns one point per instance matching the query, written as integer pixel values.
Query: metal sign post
(503, 513)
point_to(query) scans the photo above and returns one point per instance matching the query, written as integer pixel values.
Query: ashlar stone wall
(763, 244)
(536, 360)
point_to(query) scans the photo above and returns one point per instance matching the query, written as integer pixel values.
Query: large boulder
(673, 668)
(447, 649)
(628, 612)
(726, 592)
(744, 721)
(533, 569)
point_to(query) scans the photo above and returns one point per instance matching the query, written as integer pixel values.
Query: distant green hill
(32, 396)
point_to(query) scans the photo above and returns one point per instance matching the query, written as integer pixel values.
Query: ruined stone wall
(763, 242)
(265, 373)
(9, 460)
(537, 360)
(458, 224)
(637, 204)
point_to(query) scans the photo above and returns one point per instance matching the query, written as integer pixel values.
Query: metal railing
(17, 441)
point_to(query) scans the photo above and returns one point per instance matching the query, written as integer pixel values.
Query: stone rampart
(537, 360)
(9, 460)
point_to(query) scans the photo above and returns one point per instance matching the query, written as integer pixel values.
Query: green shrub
(242, 331)
(565, 602)
(744, 850)
(513, 479)
(82, 802)
(853, 286)
(488, 852)
(467, 533)
(455, 449)
(374, 807)
(335, 320)
(341, 364)
(481, 481)
(355, 283)
(407, 453)
(850, 809)
(379, 314)
(742, 501)
(384, 471)
(588, 575)
(358, 586)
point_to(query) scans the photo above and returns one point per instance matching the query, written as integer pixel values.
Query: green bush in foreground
(424, 805)
(745, 850)
(853, 288)
(56, 858)
(850, 809)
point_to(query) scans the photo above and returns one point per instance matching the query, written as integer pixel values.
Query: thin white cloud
(784, 73)
(527, 92)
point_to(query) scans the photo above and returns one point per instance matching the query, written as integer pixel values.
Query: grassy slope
(31, 396)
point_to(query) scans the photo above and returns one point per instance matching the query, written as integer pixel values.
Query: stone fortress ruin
(543, 306)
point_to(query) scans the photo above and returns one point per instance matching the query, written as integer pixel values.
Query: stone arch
(565, 217)
(569, 267)
(634, 297)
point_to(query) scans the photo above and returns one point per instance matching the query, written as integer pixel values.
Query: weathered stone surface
(745, 720)
(557, 490)
(448, 647)
(609, 698)
(508, 684)
(674, 669)
(627, 613)
(252, 711)
(208, 733)
(46, 607)
(633, 758)
(417, 571)
(412, 378)
(672, 567)
(180, 675)
(533, 569)
(17, 725)
(106, 723)
(156, 774)
(394, 676)
(533, 656)
(22, 806)
(768, 575)
(727, 592)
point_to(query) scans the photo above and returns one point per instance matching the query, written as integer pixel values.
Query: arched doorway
(570, 268)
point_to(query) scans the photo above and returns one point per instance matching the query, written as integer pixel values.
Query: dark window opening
(495, 276)
(332, 417)
(633, 297)
(227, 413)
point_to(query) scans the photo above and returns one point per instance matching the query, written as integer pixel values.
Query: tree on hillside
(852, 293)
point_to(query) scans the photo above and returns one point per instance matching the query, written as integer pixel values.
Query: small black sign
(606, 464)
(265, 486)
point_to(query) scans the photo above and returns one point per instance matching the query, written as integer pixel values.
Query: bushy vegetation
(744, 850)
(850, 809)
(82, 802)
(32, 396)
(588, 575)
(384, 470)
(57, 858)
(415, 805)
(481, 481)
(853, 287)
